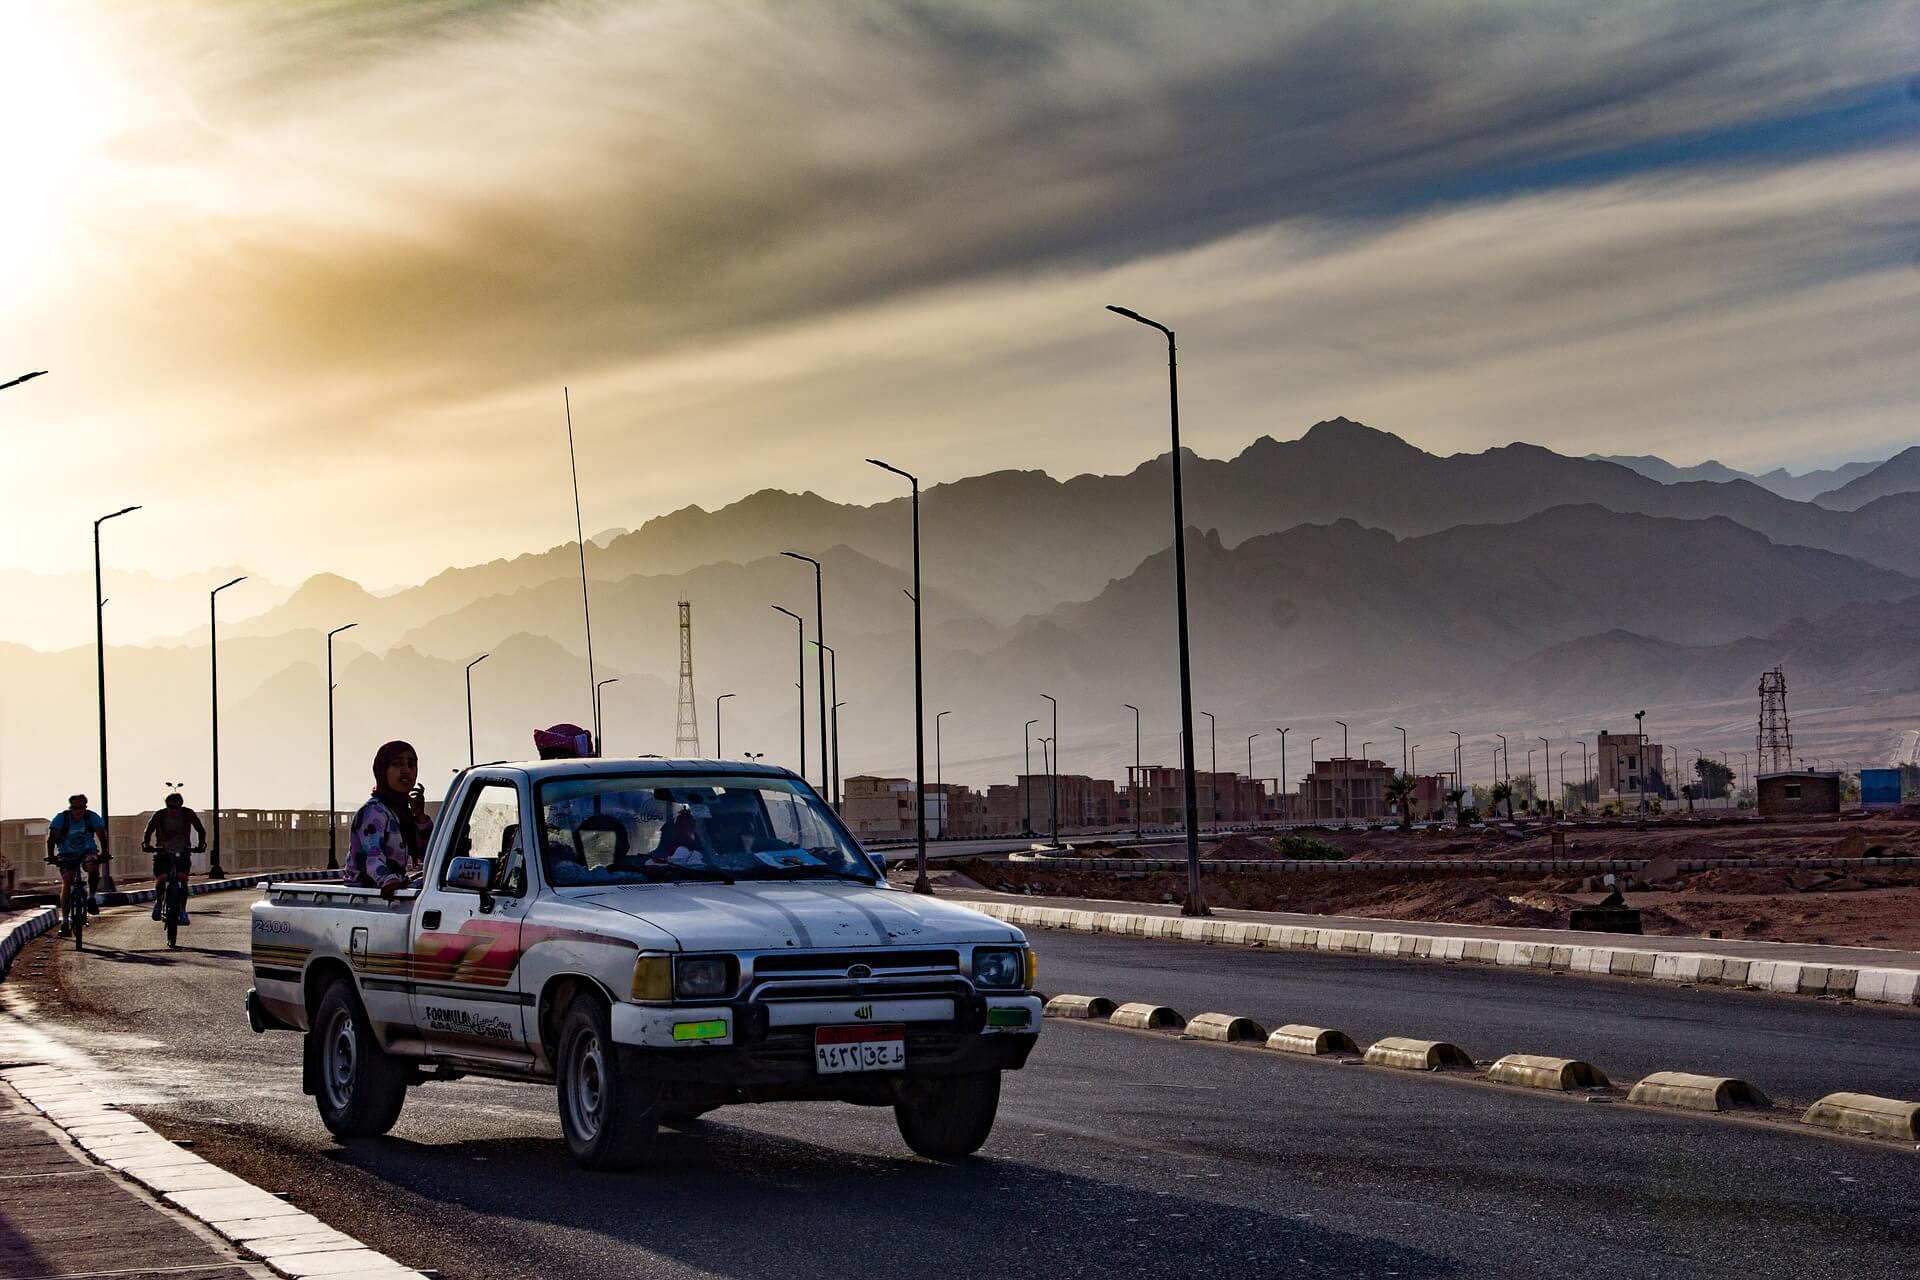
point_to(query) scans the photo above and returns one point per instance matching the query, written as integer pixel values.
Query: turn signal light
(653, 978)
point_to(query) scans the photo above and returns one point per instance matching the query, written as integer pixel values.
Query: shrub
(1307, 849)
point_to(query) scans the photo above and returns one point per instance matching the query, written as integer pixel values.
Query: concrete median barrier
(1147, 1017)
(1863, 1113)
(1534, 1071)
(1088, 1007)
(1695, 1093)
(1225, 1027)
(1407, 1054)
(1313, 1041)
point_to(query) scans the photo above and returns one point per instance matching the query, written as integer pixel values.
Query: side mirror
(879, 863)
(470, 875)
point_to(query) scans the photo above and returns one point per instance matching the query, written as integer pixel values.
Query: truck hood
(767, 915)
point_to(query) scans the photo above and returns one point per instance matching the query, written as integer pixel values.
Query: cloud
(336, 260)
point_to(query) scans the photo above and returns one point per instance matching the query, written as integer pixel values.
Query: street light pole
(1504, 771)
(718, 754)
(1213, 766)
(470, 666)
(1026, 787)
(939, 774)
(599, 709)
(1547, 760)
(25, 377)
(833, 678)
(1139, 778)
(1459, 773)
(1195, 904)
(1053, 773)
(1405, 766)
(921, 884)
(820, 637)
(333, 809)
(1640, 733)
(802, 682)
(1313, 769)
(100, 669)
(1346, 772)
(1284, 781)
(214, 871)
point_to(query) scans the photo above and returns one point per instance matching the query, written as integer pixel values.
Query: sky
(310, 278)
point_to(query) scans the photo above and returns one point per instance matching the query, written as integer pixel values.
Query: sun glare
(61, 104)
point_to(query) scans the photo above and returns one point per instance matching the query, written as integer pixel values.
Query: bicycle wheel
(171, 914)
(78, 912)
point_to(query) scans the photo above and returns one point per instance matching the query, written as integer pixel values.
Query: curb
(1864, 1113)
(1788, 977)
(1505, 866)
(1226, 1028)
(1408, 1054)
(1535, 1071)
(1695, 1093)
(26, 930)
(289, 1241)
(1312, 1042)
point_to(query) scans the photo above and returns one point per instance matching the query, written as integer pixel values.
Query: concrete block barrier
(1693, 968)
(1147, 1017)
(1537, 1072)
(1695, 1093)
(1864, 1113)
(1408, 1054)
(1297, 1037)
(1079, 1007)
(24, 930)
(1225, 1027)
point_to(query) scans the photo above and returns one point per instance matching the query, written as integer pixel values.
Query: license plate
(873, 1048)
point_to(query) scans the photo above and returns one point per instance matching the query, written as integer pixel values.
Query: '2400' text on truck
(656, 938)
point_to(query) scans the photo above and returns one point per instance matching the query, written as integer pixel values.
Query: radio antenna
(580, 540)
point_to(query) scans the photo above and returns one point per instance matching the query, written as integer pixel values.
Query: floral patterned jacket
(377, 850)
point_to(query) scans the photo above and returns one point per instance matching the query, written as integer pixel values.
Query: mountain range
(1344, 573)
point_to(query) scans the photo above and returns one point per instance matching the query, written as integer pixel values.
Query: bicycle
(79, 896)
(171, 892)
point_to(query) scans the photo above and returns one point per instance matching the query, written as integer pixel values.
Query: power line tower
(1774, 745)
(686, 731)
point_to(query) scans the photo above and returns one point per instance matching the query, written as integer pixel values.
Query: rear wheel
(609, 1118)
(77, 918)
(171, 912)
(360, 1085)
(947, 1117)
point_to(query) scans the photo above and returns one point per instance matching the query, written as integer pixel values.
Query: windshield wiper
(693, 873)
(801, 873)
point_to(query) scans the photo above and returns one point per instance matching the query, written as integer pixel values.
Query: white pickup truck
(676, 935)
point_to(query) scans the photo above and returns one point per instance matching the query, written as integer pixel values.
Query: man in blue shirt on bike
(73, 841)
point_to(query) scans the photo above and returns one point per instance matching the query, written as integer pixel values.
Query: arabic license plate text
(876, 1048)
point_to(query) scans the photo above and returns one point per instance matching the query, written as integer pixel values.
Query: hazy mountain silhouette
(1804, 487)
(1898, 474)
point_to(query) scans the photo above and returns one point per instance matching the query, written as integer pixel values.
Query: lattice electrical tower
(1774, 745)
(686, 731)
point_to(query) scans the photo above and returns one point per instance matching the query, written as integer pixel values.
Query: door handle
(429, 919)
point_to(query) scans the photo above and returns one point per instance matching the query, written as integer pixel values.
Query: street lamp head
(337, 630)
(25, 377)
(795, 555)
(113, 514)
(887, 466)
(723, 696)
(232, 583)
(1133, 315)
(790, 613)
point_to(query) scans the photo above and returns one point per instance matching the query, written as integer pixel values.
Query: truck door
(465, 964)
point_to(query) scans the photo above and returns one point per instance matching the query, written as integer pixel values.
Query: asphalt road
(1795, 1048)
(1114, 1151)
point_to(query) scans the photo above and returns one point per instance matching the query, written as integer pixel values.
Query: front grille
(881, 961)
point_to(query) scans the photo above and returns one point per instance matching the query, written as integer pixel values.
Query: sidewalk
(1864, 973)
(63, 1215)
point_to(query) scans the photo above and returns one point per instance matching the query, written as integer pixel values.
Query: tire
(79, 923)
(948, 1117)
(609, 1118)
(358, 1085)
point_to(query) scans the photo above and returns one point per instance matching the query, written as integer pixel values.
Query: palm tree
(1401, 789)
(1501, 791)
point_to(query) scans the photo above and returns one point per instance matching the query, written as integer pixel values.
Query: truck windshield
(640, 830)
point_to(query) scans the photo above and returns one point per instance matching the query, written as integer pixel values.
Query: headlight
(999, 966)
(702, 977)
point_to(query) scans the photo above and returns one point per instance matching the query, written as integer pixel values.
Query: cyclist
(73, 841)
(173, 836)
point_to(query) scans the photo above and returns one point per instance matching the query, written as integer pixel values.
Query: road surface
(1114, 1151)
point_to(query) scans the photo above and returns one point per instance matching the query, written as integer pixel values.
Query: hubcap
(340, 1054)
(586, 1086)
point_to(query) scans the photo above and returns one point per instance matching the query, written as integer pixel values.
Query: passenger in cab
(389, 834)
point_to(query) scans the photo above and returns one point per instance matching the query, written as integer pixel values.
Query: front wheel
(609, 1118)
(947, 1117)
(78, 922)
(360, 1085)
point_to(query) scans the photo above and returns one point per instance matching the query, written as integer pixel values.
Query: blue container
(1879, 786)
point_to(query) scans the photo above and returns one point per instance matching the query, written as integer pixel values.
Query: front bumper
(981, 1033)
